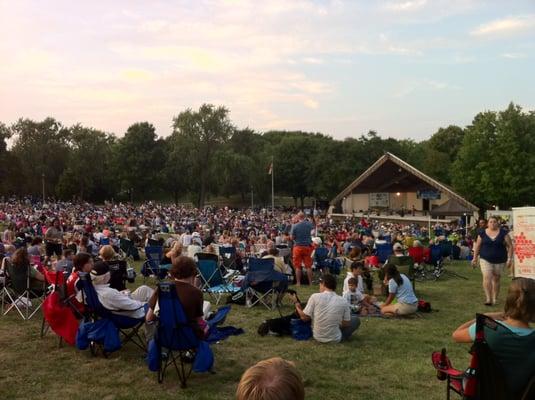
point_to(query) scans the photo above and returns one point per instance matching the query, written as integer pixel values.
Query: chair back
(435, 254)
(90, 295)
(417, 254)
(154, 255)
(227, 251)
(210, 273)
(320, 254)
(260, 270)
(446, 248)
(174, 330)
(117, 274)
(104, 241)
(384, 250)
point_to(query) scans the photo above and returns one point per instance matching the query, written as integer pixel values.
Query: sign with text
(379, 200)
(524, 241)
(428, 194)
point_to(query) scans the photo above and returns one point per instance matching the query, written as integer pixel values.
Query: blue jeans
(352, 327)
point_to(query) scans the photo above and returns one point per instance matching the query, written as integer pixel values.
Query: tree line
(490, 162)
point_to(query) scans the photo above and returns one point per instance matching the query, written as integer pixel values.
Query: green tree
(205, 130)
(42, 150)
(139, 160)
(89, 173)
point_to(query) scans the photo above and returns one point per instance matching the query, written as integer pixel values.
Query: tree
(42, 150)
(495, 163)
(205, 132)
(139, 159)
(89, 173)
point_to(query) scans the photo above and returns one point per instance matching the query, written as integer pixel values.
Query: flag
(270, 170)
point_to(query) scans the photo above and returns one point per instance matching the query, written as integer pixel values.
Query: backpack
(424, 306)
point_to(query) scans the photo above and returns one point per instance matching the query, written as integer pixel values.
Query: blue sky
(403, 68)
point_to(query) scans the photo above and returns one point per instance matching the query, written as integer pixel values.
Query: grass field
(387, 359)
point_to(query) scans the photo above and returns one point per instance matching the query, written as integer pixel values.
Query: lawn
(387, 359)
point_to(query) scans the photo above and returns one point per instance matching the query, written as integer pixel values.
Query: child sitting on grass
(360, 303)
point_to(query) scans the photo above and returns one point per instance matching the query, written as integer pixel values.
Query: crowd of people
(82, 237)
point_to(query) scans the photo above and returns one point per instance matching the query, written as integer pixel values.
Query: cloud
(513, 56)
(505, 26)
(405, 5)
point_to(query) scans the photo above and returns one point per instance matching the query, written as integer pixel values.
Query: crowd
(84, 238)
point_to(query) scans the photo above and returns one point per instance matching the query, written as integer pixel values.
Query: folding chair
(119, 274)
(493, 373)
(228, 253)
(21, 297)
(212, 281)
(59, 313)
(175, 339)
(128, 327)
(152, 266)
(128, 249)
(263, 284)
(383, 251)
(447, 248)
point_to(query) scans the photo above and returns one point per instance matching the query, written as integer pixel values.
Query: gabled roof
(450, 208)
(391, 174)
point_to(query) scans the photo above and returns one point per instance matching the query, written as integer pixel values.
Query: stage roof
(391, 174)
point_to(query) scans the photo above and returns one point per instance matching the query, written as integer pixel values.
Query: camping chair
(152, 266)
(212, 281)
(321, 255)
(119, 274)
(175, 340)
(59, 313)
(383, 251)
(19, 294)
(447, 248)
(128, 327)
(128, 249)
(262, 283)
(486, 378)
(104, 241)
(228, 253)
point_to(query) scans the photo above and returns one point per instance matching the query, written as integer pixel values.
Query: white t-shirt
(327, 311)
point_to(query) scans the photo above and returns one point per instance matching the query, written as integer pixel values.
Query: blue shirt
(493, 251)
(404, 293)
(301, 233)
(515, 329)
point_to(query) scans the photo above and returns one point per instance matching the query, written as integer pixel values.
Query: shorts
(302, 255)
(490, 268)
(406, 309)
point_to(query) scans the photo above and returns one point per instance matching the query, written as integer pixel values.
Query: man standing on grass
(302, 247)
(331, 316)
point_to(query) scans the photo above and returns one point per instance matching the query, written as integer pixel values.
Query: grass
(386, 359)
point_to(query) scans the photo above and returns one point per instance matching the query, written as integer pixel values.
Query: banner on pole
(524, 241)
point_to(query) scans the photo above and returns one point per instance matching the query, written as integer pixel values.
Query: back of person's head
(183, 268)
(300, 216)
(329, 281)
(37, 240)
(80, 260)
(355, 252)
(520, 301)
(273, 251)
(67, 253)
(20, 257)
(357, 265)
(392, 272)
(272, 379)
(352, 281)
(107, 253)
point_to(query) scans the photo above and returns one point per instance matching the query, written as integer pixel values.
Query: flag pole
(272, 188)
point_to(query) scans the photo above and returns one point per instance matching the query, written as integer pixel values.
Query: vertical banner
(524, 241)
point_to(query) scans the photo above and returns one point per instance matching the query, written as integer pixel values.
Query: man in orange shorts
(302, 249)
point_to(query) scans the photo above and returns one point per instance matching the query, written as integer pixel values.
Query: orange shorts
(302, 255)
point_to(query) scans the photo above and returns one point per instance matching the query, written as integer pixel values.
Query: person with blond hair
(272, 379)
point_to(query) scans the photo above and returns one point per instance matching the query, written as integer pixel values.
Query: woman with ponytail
(399, 288)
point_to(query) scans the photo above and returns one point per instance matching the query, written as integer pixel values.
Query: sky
(402, 68)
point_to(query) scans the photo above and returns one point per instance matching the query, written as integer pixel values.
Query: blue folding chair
(263, 284)
(175, 339)
(212, 281)
(446, 248)
(383, 251)
(104, 241)
(153, 266)
(129, 328)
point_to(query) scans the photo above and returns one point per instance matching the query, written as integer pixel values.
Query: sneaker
(263, 329)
